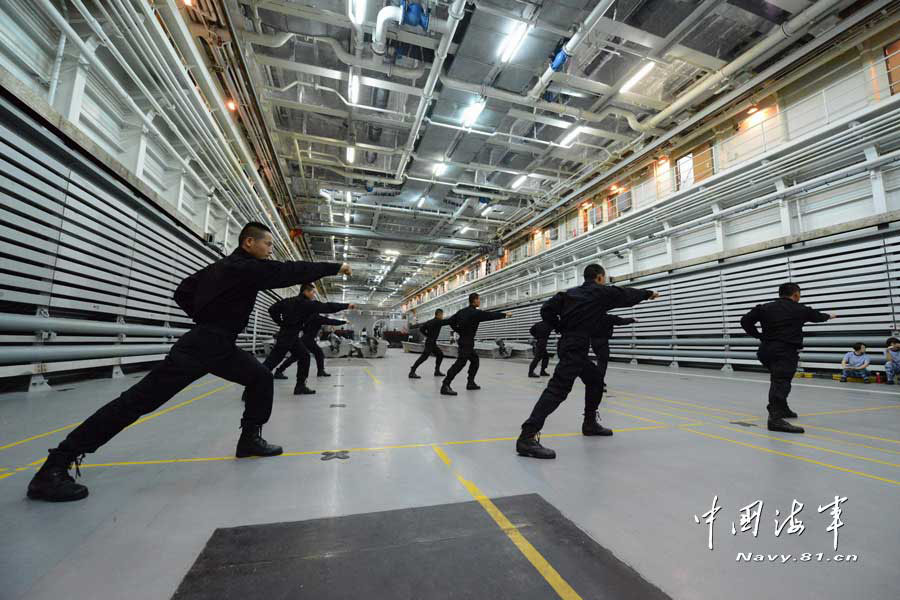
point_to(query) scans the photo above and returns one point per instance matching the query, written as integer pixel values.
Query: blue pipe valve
(414, 15)
(559, 61)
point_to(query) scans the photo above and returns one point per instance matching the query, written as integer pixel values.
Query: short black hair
(891, 340)
(858, 346)
(472, 297)
(592, 271)
(786, 290)
(253, 229)
(306, 286)
(438, 311)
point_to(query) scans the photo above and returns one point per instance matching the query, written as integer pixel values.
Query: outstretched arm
(327, 321)
(617, 320)
(271, 274)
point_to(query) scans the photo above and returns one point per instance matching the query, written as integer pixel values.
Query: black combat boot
(446, 390)
(529, 444)
(592, 426)
(252, 443)
(531, 374)
(412, 375)
(279, 375)
(301, 388)
(781, 425)
(323, 374)
(53, 483)
(787, 413)
(437, 373)
(545, 374)
(472, 386)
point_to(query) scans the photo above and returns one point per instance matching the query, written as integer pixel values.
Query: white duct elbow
(385, 15)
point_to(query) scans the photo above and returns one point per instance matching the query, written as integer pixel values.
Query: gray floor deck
(160, 489)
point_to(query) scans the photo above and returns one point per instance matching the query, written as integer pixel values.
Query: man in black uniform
(600, 341)
(291, 315)
(779, 349)
(309, 339)
(431, 329)
(219, 298)
(465, 323)
(574, 314)
(540, 331)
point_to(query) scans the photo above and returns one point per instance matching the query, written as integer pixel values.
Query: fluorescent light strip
(472, 112)
(513, 42)
(518, 182)
(637, 77)
(440, 168)
(353, 88)
(421, 202)
(351, 154)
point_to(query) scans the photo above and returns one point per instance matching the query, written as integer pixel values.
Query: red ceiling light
(231, 105)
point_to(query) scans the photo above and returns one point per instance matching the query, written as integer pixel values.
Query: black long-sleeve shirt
(782, 321)
(465, 323)
(578, 310)
(223, 293)
(604, 329)
(541, 330)
(314, 324)
(431, 329)
(292, 314)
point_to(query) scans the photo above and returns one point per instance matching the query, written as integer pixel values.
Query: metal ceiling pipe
(327, 141)
(714, 80)
(494, 10)
(418, 212)
(276, 40)
(40, 354)
(385, 15)
(30, 324)
(560, 109)
(371, 63)
(569, 48)
(457, 11)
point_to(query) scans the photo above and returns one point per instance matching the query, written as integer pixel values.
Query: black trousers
(574, 362)
(431, 349)
(466, 355)
(539, 349)
(600, 346)
(200, 351)
(289, 342)
(781, 362)
(310, 344)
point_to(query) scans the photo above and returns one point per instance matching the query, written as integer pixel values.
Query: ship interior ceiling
(712, 159)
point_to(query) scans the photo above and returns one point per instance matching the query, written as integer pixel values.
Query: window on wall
(892, 62)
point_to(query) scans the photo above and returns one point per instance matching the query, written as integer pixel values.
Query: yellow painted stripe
(862, 435)
(7, 475)
(794, 456)
(814, 447)
(375, 379)
(848, 443)
(623, 413)
(440, 452)
(179, 405)
(73, 425)
(691, 404)
(850, 410)
(550, 575)
(638, 406)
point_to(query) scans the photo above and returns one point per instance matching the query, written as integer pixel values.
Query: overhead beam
(368, 234)
(518, 113)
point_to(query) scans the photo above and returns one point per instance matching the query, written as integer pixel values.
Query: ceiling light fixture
(356, 10)
(570, 137)
(347, 216)
(485, 212)
(392, 252)
(353, 88)
(464, 229)
(351, 154)
(518, 182)
(637, 77)
(439, 169)
(231, 105)
(421, 202)
(513, 41)
(471, 113)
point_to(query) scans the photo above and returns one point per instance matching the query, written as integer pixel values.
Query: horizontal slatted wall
(79, 244)
(857, 278)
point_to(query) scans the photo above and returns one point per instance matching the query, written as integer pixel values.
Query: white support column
(72, 79)
(135, 141)
(784, 208)
(879, 194)
(632, 259)
(670, 248)
(719, 228)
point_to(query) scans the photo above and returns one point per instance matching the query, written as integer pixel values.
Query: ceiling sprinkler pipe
(385, 15)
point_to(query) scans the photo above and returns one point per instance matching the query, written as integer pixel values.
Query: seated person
(892, 359)
(856, 363)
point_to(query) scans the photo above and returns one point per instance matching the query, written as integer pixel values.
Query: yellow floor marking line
(805, 445)
(630, 403)
(794, 456)
(862, 435)
(641, 405)
(369, 373)
(73, 425)
(550, 575)
(179, 405)
(623, 413)
(667, 401)
(850, 410)
(848, 443)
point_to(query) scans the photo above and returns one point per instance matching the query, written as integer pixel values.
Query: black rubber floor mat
(436, 552)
